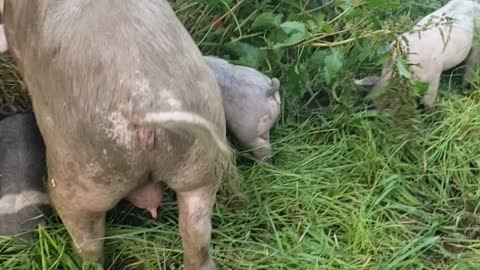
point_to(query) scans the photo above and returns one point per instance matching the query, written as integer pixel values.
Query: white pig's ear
(367, 81)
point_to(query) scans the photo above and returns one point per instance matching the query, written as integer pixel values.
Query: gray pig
(123, 99)
(23, 198)
(251, 101)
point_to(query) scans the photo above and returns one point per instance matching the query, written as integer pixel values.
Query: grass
(347, 190)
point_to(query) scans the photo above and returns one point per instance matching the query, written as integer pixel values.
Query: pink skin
(148, 196)
(261, 145)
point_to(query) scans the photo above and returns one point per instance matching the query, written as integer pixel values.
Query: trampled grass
(346, 190)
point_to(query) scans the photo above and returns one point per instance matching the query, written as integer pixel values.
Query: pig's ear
(7, 110)
(274, 87)
(367, 81)
(275, 84)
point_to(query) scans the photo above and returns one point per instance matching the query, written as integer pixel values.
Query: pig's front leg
(472, 63)
(433, 80)
(195, 214)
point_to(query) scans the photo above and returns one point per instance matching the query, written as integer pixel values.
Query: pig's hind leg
(87, 230)
(195, 184)
(195, 214)
(472, 63)
(81, 209)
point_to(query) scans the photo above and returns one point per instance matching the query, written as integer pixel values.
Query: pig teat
(148, 196)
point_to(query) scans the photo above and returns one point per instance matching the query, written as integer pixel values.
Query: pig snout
(23, 199)
(148, 196)
(368, 81)
(262, 146)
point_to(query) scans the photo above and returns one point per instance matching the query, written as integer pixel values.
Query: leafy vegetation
(349, 189)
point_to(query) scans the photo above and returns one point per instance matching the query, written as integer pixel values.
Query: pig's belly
(456, 52)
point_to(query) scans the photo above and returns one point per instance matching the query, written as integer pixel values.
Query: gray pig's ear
(8, 109)
(275, 84)
(367, 81)
(274, 87)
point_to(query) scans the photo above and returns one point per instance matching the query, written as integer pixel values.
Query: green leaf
(275, 56)
(316, 59)
(296, 31)
(291, 27)
(298, 80)
(215, 2)
(267, 20)
(419, 88)
(403, 70)
(382, 4)
(246, 54)
(333, 64)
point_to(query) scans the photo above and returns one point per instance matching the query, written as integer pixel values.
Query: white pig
(438, 42)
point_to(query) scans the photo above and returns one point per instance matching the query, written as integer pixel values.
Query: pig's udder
(148, 196)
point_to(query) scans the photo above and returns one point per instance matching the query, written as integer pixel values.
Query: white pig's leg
(432, 91)
(3, 40)
(195, 214)
(472, 63)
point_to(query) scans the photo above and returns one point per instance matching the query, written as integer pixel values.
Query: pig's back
(90, 62)
(446, 44)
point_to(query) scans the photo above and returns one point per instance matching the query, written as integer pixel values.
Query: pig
(251, 101)
(435, 46)
(23, 198)
(123, 98)
(252, 105)
(148, 197)
(7, 110)
(3, 40)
